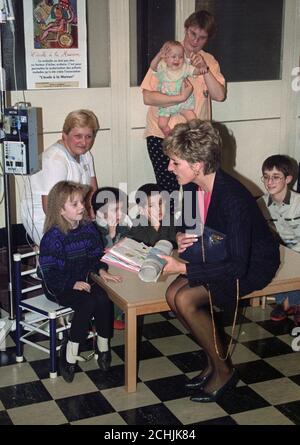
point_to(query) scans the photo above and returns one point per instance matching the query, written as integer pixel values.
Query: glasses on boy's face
(275, 179)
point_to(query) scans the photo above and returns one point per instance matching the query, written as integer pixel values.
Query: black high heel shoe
(198, 381)
(205, 397)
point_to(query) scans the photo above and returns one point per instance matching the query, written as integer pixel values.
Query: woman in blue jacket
(238, 256)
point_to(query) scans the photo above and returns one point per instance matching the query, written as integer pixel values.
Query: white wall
(264, 117)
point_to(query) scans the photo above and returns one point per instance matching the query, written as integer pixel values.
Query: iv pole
(6, 15)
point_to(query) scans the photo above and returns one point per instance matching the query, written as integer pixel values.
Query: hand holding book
(154, 264)
(137, 257)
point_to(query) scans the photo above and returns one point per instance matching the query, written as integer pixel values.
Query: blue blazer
(252, 250)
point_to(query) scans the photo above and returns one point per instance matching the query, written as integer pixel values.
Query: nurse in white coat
(68, 159)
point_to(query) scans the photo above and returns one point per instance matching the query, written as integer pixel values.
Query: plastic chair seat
(41, 305)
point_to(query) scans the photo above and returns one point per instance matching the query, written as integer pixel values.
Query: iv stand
(6, 179)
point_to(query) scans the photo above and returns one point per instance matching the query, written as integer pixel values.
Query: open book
(137, 257)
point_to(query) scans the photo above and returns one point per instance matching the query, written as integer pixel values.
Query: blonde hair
(57, 199)
(81, 118)
(195, 141)
(175, 43)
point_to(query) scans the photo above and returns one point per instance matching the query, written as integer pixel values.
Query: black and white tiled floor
(268, 392)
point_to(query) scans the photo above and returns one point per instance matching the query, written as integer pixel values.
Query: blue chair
(36, 314)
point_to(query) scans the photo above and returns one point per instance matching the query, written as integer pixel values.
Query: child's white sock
(102, 344)
(72, 352)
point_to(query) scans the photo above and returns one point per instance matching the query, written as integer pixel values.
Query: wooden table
(137, 298)
(286, 279)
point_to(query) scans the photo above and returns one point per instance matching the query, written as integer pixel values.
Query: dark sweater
(142, 231)
(121, 232)
(67, 258)
(253, 252)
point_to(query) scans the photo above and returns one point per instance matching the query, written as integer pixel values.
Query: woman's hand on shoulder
(107, 276)
(185, 240)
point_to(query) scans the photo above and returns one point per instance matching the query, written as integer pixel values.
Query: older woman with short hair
(67, 159)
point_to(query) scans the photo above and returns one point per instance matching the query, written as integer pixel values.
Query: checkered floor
(268, 392)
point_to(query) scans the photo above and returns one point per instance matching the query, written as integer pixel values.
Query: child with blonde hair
(70, 251)
(171, 69)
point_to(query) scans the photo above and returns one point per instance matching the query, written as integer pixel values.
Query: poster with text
(55, 42)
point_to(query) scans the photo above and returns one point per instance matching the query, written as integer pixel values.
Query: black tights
(191, 304)
(165, 179)
(87, 305)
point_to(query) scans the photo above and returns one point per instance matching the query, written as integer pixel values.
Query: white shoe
(35, 276)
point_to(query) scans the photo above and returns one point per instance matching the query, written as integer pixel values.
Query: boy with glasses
(281, 208)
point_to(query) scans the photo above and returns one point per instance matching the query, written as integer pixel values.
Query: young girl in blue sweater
(70, 250)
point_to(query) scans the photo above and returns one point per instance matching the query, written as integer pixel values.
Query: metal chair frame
(36, 314)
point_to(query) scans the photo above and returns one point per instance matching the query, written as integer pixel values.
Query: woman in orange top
(199, 27)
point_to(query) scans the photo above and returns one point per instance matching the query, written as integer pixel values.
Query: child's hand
(91, 213)
(160, 55)
(164, 50)
(82, 285)
(112, 231)
(186, 90)
(106, 276)
(199, 63)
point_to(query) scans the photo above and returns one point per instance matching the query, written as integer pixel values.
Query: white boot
(68, 360)
(72, 352)
(104, 353)
(102, 344)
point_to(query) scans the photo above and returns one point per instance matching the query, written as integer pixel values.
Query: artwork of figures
(55, 43)
(55, 24)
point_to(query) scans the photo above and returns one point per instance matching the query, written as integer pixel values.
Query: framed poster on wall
(55, 43)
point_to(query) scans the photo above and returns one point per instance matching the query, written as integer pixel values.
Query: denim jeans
(292, 296)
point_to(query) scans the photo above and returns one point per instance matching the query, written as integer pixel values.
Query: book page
(137, 257)
(128, 251)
